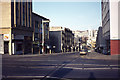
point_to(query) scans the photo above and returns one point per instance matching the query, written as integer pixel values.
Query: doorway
(6, 47)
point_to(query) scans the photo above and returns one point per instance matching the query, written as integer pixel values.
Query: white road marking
(25, 76)
(43, 67)
(90, 68)
(28, 77)
(115, 68)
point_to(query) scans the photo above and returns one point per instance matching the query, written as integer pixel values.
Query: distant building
(92, 34)
(40, 34)
(66, 36)
(57, 41)
(16, 27)
(69, 39)
(110, 26)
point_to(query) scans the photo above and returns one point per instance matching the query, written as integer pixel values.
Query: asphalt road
(60, 66)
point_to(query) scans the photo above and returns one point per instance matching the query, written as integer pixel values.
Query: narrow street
(59, 66)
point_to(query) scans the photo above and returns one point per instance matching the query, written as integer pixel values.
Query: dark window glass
(17, 13)
(23, 13)
(29, 12)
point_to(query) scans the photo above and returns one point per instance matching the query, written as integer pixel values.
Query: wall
(55, 40)
(114, 27)
(5, 14)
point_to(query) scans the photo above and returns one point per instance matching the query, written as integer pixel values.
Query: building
(37, 33)
(69, 39)
(16, 27)
(57, 41)
(40, 33)
(110, 26)
(91, 41)
(76, 40)
(106, 25)
(99, 41)
(65, 36)
(80, 39)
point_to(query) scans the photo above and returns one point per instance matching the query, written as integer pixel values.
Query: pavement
(95, 55)
(60, 66)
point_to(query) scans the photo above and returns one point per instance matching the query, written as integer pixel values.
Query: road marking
(114, 65)
(115, 68)
(43, 67)
(24, 76)
(90, 68)
(56, 65)
(29, 77)
(43, 60)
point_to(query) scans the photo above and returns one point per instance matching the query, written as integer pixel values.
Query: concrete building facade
(69, 40)
(57, 41)
(92, 34)
(106, 25)
(40, 33)
(66, 38)
(37, 33)
(110, 24)
(99, 41)
(16, 27)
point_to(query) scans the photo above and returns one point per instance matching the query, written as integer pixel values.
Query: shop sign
(19, 37)
(6, 37)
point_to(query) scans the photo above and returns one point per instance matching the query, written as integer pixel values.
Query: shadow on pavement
(91, 77)
(61, 73)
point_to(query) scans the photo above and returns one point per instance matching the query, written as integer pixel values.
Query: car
(89, 51)
(83, 52)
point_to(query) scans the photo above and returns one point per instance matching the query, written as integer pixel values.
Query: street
(59, 66)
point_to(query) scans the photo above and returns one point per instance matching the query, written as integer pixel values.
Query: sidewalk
(95, 55)
(26, 55)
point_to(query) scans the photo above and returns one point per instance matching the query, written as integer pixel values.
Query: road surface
(60, 66)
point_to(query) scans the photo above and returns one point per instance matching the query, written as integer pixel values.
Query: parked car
(83, 52)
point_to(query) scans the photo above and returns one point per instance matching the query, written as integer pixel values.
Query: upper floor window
(23, 13)
(29, 13)
(17, 13)
(36, 24)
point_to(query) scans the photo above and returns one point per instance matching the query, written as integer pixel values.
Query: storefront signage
(6, 37)
(19, 37)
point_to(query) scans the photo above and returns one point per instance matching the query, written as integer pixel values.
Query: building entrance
(6, 47)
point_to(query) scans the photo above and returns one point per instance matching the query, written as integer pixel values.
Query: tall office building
(111, 25)
(16, 26)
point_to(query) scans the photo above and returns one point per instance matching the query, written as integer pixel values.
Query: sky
(73, 15)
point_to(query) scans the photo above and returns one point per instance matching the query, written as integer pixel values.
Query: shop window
(19, 47)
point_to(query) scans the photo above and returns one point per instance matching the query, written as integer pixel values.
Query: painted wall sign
(6, 37)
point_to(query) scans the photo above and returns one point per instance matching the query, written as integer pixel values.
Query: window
(18, 46)
(17, 13)
(29, 13)
(36, 24)
(23, 13)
